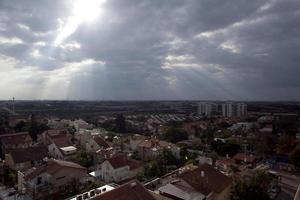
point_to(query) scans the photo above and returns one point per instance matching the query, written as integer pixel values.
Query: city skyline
(150, 50)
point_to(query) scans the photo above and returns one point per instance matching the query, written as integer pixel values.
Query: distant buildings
(227, 109)
(230, 109)
(207, 109)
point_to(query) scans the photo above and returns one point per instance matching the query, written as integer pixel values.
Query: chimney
(202, 174)
(133, 184)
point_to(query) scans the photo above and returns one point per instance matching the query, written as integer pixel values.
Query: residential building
(61, 147)
(14, 141)
(95, 143)
(241, 158)
(231, 109)
(119, 168)
(81, 124)
(224, 165)
(129, 191)
(207, 109)
(150, 149)
(202, 183)
(53, 178)
(23, 159)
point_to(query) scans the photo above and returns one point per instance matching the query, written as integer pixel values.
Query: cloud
(137, 49)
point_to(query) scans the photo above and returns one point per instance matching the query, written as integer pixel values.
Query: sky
(150, 49)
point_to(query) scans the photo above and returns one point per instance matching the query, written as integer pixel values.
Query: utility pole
(13, 104)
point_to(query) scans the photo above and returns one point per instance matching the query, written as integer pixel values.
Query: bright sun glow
(82, 11)
(86, 10)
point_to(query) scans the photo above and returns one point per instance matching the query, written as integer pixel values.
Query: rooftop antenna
(13, 104)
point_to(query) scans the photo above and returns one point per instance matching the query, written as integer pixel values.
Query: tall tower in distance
(13, 104)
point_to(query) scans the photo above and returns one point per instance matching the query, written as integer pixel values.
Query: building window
(39, 180)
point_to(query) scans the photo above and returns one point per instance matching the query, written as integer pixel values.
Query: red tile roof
(226, 161)
(119, 161)
(101, 142)
(15, 138)
(243, 157)
(212, 181)
(29, 154)
(61, 141)
(51, 167)
(129, 191)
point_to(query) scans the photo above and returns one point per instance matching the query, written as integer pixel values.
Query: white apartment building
(231, 109)
(207, 109)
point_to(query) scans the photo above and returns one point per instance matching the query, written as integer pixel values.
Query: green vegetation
(254, 188)
(294, 157)
(224, 149)
(10, 178)
(84, 159)
(175, 135)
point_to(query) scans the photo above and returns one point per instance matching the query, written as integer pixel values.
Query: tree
(294, 157)
(225, 148)
(255, 188)
(36, 128)
(135, 155)
(33, 129)
(10, 178)
(20, 126)
(175, 135)
(84, 159)
(265, 144)
(153, 170)
(286, 144)
(185, 155)
(167, 158)
(120, 123)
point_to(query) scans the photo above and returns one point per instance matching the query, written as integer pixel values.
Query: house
(241, 158)
(150, 149)
(13, 120)
(53, 178)
(204, 159)
(96, 143)
(14, 141)
(135, 140)
(103, 154)
(58, 123)
(267, 129)
(119, 168)
(23, 159)
(202, 183)
(224, 165)
(46, 136)
(61, 147)
(81, 124)
(130, 191)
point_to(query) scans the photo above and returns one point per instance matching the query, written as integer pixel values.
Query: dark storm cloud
(193, 49)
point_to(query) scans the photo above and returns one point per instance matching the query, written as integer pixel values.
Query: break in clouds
(150, 49)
